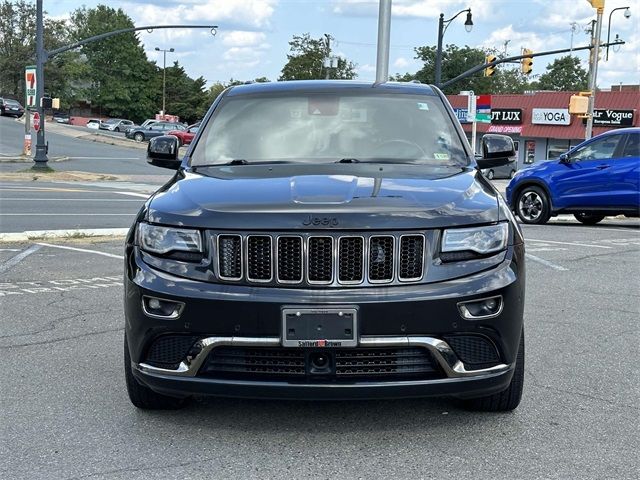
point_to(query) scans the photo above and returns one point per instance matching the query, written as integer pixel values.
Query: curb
(62, 234)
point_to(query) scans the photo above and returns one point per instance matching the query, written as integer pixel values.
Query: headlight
(482, 240)
(153, 238)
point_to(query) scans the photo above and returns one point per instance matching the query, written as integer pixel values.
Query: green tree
(509, 80)
(18, 48)
(564, 74)
(455, 60)
(185, 96)
(306, 60)
(123, 82)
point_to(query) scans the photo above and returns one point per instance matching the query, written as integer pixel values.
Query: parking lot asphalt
(65, 412)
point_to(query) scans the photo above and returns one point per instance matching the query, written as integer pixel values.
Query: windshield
(11, 102)
(112, 120)
(316, 128)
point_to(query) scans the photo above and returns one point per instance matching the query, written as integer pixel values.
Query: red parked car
(185, 136)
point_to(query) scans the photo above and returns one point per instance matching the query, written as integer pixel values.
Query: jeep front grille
(326, 259)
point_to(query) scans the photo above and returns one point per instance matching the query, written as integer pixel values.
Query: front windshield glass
(317, 128)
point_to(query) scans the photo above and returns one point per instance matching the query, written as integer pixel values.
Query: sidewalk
(90, 136)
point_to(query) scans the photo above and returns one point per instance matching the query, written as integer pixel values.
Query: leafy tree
(564, 74)
(124, 82)
(18, 48)
(185, 97)
(306, 60)
(455, 60)
(509, 80)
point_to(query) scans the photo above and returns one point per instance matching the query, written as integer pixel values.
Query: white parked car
(93, 123)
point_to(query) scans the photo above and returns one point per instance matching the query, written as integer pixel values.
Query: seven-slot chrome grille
(319, 258)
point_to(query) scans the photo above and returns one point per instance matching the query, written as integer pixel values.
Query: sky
(253, 35)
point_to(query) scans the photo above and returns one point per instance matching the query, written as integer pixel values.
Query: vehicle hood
(336, 197)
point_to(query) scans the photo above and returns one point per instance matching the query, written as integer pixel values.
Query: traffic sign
(30, 90)
(483, 108)
(36, 122)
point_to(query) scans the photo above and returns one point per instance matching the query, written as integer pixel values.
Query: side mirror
(564, 158)
(497, 150)
(163, 152)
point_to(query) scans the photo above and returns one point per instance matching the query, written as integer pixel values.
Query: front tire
(143, 397)
(588, 218)
(508, 399)
(138, 137)
(533, 206)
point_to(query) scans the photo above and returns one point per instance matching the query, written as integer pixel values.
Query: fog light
(159, 308)
(480, 309)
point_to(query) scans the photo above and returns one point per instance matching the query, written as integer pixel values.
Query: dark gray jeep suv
(326, 240)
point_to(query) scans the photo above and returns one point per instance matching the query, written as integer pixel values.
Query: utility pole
(595, 51)
(384, 37)
(327, 56)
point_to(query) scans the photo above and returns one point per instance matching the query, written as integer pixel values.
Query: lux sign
(506, 116)
(551, 116)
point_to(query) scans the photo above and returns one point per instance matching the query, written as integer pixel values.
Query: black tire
(491, 175)
(143, 397)
(117, 129)
(588, 218)
(139, 137)
(532, 205)
(508, 399)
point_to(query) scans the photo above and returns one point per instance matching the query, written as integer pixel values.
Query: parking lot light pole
(442, 28)
(164, 75)
(43, 55)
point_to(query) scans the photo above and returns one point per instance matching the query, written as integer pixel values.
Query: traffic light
(489, 71)
(527, 62)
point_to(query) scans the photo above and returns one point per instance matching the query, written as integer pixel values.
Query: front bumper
(405, 316)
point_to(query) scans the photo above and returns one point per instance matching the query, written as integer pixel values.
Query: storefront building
(540, 123)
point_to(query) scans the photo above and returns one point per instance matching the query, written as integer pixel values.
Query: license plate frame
(312, 327)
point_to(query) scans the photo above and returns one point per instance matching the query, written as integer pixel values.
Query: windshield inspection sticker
(441, 156)
(422, 106)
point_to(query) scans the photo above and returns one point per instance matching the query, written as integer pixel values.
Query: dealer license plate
(320, 327)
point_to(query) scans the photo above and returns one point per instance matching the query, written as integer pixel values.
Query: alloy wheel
(530, 206)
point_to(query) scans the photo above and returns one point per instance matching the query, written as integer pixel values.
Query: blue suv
(599, 177)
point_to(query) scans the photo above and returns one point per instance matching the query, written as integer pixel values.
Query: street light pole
(442, 28)
(40, 157)
(43, 55)
(627, 14)
(164, 75)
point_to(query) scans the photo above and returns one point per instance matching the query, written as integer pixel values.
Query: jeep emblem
(320, 221)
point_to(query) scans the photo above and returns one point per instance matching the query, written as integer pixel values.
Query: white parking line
(13, 261)
(68, 215)
(567, 243)
(134, 194)
(546, 263)
(21, 199)
(85, 250)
